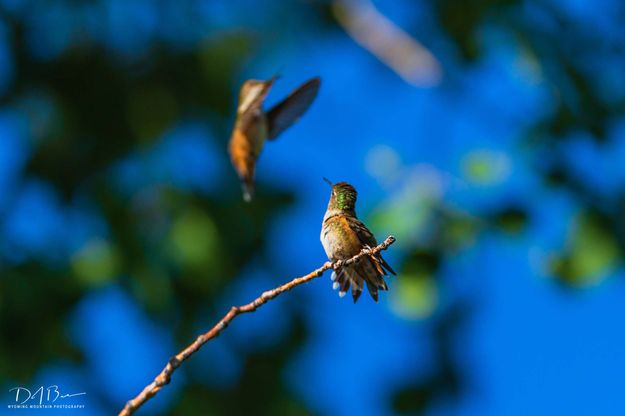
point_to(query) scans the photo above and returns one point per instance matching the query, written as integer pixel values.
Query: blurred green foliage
(592, 251)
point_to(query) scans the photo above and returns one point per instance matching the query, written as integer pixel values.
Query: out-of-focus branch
(388, 42)
(164, 377)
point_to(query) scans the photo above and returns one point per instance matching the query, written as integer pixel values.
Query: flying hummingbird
(343, 236)
(254, 125)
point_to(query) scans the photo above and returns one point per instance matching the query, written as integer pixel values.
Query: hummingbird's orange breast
(338, 239)
(245, 147)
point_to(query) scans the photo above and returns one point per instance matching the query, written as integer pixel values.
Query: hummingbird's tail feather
(374, 284)
(374, 276)
(373, 291)
(343, 283)
(341, 280)
(346, 277)
(369, 271)
(357, 282)
(248, 190)
(386, 265)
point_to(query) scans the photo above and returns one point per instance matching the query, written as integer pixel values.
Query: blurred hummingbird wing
(285, 113)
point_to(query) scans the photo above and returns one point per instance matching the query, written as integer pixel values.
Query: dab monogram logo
(50, 397)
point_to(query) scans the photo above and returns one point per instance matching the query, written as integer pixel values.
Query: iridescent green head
(343, 197)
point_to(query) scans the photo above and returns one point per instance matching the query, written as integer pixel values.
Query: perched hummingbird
(343, 236)
(254, 125)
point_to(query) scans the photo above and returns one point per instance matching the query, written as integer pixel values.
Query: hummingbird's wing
(367, 239)
(285, 113)
(371, 269)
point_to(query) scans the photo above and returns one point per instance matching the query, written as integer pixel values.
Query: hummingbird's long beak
(328, 181)
(267, 86)
(274, 79)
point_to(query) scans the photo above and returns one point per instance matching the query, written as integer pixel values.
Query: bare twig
(164, 376)
(388, 42)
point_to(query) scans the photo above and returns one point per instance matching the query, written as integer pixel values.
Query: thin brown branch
(388, 42)
(164, 377)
